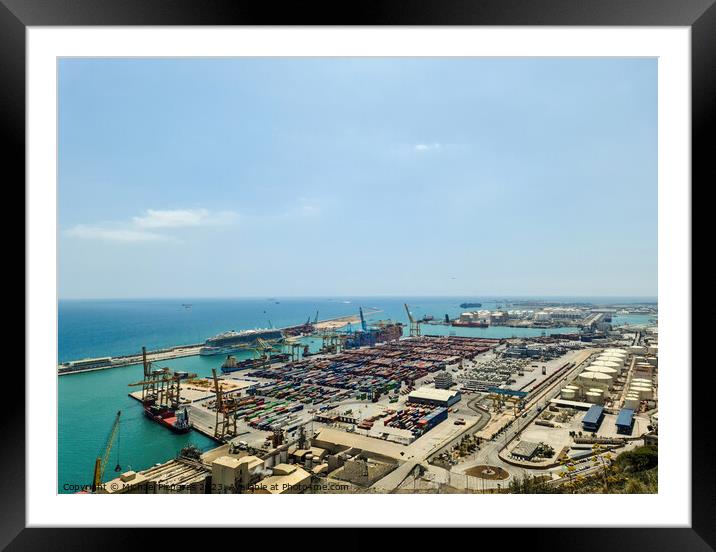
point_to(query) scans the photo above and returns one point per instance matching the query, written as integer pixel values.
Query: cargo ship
(470, 305)
(174, 419)
(227, 342)
(475, 324)
(161, 394)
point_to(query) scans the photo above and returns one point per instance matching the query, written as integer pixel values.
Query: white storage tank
(617, 351)
(593, 397)
(632, 401)
(612, 358)
(644, 392)
(568, 394)
(609, 363)
(595, 379)
(604, 370)
(641, 381)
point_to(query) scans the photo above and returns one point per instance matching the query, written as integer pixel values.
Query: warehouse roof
(428, 393)
(331, 436)
(625, 418)
(297, 481)
(593, 414)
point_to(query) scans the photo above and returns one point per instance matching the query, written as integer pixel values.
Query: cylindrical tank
(644, 392)
(618, 351)
(641, 381)
(595, 379)
(609, 363)
(604, 370)
(632, 401)
(568, 394)
(609, 358)
(308, 460)
(593, 397)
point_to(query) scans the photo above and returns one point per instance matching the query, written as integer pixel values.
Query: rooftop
(429, 393)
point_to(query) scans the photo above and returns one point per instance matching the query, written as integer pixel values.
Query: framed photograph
(407, 269)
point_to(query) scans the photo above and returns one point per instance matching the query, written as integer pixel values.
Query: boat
(174, 419)
(227, 342)
(469, 305)
(459, 324)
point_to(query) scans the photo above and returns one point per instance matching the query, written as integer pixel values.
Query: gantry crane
(262, 350)
(160, 386)
(414, 324)
(293, 348)
(103, 457)
(225, 425)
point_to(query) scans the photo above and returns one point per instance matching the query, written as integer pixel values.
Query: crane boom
(217, 389)
(103, 457)
(410, 316)
(363, 325)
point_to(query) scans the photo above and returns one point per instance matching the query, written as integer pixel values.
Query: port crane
(103, 457)
(160, 385)
(315, 320)
(225, 409)
(363, 324)
(293, 348)
(414, 324)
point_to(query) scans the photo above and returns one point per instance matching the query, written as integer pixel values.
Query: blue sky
(313, 177)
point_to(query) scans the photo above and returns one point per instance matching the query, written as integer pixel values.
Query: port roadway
(420, 451)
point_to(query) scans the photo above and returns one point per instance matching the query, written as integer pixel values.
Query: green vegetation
(632, 472)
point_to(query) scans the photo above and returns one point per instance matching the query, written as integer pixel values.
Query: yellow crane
(414, 324)
(103, 457)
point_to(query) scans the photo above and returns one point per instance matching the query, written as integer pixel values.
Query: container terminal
(404, 413)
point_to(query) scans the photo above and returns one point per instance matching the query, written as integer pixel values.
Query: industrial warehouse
(414, 414)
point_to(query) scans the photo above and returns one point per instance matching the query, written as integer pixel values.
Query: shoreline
(180, 351)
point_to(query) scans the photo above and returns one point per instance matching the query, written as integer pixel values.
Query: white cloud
(309, 207)
(113, 234)
(179, 218)
(427, 147)
(141, 228)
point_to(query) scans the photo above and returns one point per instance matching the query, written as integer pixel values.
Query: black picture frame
(699, 15)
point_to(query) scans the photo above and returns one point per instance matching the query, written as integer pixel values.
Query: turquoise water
(89, 401)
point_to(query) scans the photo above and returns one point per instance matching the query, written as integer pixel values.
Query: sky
(348, 177)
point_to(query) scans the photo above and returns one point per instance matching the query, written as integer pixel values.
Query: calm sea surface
(88, 402)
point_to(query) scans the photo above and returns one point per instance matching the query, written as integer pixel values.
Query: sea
(88, 402)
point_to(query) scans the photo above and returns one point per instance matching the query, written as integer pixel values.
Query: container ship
(227, 342)
(176, 420)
